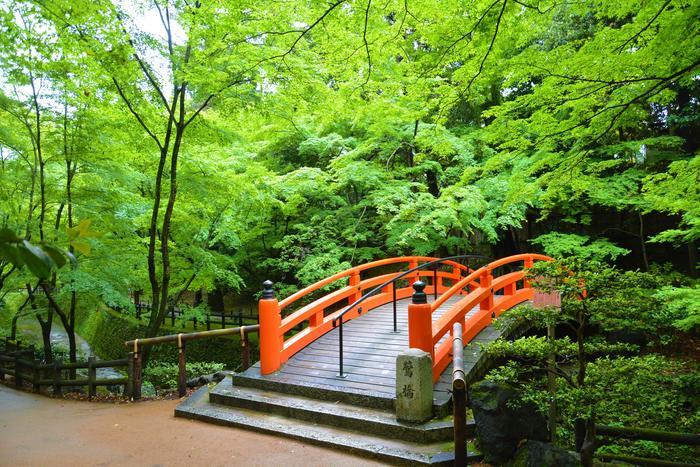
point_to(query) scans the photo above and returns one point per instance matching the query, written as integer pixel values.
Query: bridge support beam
(270, 323)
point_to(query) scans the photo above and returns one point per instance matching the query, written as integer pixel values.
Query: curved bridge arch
(492, 293)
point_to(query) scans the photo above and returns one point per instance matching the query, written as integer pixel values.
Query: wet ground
(37, 430)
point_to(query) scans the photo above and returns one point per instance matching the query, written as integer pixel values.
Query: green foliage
(560, 245)
(679, 306)
(164, 375)
(39, 259)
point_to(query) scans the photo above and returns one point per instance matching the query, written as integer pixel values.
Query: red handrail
(435, 337)
(275, 349)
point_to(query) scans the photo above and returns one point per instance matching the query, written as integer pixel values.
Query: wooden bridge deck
(370, 350)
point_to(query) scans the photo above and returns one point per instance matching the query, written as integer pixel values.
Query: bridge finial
(268, 293)
(419, 296)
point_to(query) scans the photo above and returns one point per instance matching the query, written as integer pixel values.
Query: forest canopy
(188, 147)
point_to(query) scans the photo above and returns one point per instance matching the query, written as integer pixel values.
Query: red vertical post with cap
(420, 321)
(270, 330)
(413, 277)
(354, 282)
(485, 282)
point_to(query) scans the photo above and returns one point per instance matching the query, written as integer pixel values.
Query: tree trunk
(692, 259)
(643, 242)
(552, 386)
(45, 325)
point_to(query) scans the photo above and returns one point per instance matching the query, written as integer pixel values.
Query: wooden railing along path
(136, 346)
(18, 361)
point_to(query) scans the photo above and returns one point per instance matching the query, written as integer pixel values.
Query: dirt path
(37, 430)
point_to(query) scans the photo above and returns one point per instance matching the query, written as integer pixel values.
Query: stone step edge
(197, 407)
(332, 413)
(315, 391)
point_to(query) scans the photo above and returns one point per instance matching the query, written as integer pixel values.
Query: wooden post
(223, 319)
(245, 353)
(36, 375)
(136, 392)
(414, 277)
(552, 386)
(129, 386)
(420, 322)
(240, 317)
(18, 371)
(459, 397)
(354, 281)
(182, 367)
(56, 378)
(485, 282)
(208, 322)
(270, 335)
(92, 376)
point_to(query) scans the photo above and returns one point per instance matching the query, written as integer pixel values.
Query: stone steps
(333, 413)
(251, 378)
(358, 441)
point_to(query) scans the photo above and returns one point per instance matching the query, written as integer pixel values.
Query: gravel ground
(37, 430)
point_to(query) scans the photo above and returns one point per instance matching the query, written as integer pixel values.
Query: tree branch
(646, 26)
(488, 52)
(135, 114)
(364, 39)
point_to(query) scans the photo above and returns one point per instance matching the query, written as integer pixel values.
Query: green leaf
(11, 253)
(38, 262)
(56, 254)
(7, 235)
(82, 247)
(73, 260)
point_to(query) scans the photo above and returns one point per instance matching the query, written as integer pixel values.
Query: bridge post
(270, 336)
(485, 281)
(420, 321)
(413, 264)
(354, 281)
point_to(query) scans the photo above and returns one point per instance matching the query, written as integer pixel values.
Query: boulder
(537, 454)
(205, 379)
(503, 420)
(220, 375)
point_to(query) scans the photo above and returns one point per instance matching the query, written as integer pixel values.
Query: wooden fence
(19, 362)
(687, 439)
(137, 346)
(220, 320)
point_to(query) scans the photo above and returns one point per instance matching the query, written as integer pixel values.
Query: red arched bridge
(345, 331)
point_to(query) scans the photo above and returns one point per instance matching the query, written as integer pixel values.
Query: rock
(536, 454)
(220, 375)
(500, 427)
(206, 379)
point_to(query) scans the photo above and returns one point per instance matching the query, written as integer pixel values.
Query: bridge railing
(275, 348)
(491, 295)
